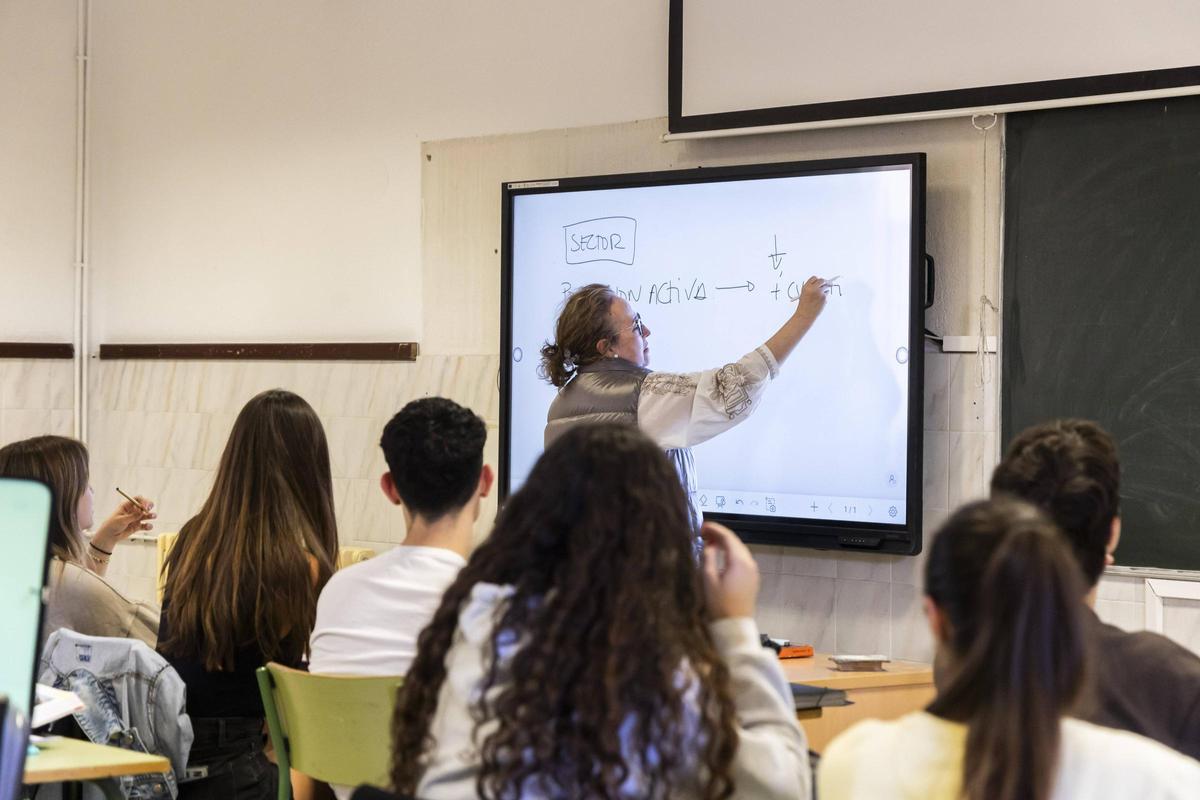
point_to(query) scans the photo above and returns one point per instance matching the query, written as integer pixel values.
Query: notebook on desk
(807, 696)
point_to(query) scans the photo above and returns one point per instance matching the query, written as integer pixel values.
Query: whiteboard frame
(864, 537)
(967, 101)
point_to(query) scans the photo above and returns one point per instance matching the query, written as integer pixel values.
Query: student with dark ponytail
(1002, 598)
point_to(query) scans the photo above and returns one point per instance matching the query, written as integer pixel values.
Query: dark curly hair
(434, 450)
(1069, 469)
(584, 321)
(597, 546)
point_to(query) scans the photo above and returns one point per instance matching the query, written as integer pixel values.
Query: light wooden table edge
(817, 671)
(59, 759)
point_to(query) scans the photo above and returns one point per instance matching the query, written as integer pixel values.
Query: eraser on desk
(872, 663)
(797, 651)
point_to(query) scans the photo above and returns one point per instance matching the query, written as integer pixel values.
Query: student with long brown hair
(79, 597)
(242, 585)
(1002, 598)
(583, 653)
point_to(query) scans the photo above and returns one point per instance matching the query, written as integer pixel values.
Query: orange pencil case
(796, 651)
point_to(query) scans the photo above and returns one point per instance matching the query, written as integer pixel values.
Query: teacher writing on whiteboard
(600, 357)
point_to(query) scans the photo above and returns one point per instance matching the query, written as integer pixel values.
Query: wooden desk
(61, 759)
(903, 687)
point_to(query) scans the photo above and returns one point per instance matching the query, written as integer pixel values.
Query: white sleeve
(323, 655)
(772, 755)
(686, 409)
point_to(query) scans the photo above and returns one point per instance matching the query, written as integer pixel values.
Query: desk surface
(819, 671)
(61, 759)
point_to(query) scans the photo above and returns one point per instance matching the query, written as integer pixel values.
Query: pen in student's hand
(144, 510)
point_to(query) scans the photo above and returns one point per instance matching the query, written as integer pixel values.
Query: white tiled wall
(1121, 601)
(157, 428)
(851, 603)
(36, 398)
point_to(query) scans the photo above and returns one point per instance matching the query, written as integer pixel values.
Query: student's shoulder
(865, 736)
(1127, 756)
(1152, 654)
(843, 769)
(80, 582)
(343, 581)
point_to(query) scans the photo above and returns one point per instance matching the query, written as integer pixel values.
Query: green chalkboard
(1102, 301)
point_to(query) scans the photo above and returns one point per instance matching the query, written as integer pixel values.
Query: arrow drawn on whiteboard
(748, 286)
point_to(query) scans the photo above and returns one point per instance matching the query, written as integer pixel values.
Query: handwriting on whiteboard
(601, 239)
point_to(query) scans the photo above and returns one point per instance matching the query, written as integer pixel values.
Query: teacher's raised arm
(599, 360)
(812, 299)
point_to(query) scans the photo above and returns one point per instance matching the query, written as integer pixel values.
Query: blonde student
(79, 597)
(1002, 597)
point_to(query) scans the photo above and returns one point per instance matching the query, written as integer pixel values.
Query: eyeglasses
(638, 327)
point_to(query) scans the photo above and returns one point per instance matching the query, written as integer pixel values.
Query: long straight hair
(607, 598)
(247, 569)
(61, 464)
(1010, 592)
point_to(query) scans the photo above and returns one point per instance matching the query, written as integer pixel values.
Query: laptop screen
(24, 528)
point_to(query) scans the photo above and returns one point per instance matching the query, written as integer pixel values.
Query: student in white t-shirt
(1002, 597)
(370, 614)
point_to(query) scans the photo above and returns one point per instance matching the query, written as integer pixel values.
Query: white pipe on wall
(83, 47)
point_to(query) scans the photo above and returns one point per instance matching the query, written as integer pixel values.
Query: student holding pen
(79, 596)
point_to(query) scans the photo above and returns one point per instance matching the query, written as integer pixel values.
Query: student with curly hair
(582, 653)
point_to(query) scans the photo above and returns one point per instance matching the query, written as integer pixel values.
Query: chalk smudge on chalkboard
(601, 239)
(1160, 447)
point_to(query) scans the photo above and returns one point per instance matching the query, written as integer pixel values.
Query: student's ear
(486, 479)
(603, 346)
(938, 623)
(1114, 538)
(389, 488)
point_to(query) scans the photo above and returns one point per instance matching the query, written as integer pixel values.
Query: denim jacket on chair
(133, 699)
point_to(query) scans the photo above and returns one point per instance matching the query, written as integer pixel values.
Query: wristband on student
(100, 549)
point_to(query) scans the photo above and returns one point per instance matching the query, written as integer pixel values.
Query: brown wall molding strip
(330, 351)
(36, 350)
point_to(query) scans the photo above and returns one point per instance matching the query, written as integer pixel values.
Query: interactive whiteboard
(713, 260)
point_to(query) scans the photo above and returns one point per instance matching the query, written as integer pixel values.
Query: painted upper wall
(37, 170)
(256, 166)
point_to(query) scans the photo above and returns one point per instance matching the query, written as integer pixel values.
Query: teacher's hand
(731, 587)
(812, 299)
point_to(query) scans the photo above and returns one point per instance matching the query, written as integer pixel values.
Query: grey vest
(608, 391)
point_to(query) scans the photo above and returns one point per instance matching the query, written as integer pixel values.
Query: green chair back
(335, 728)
